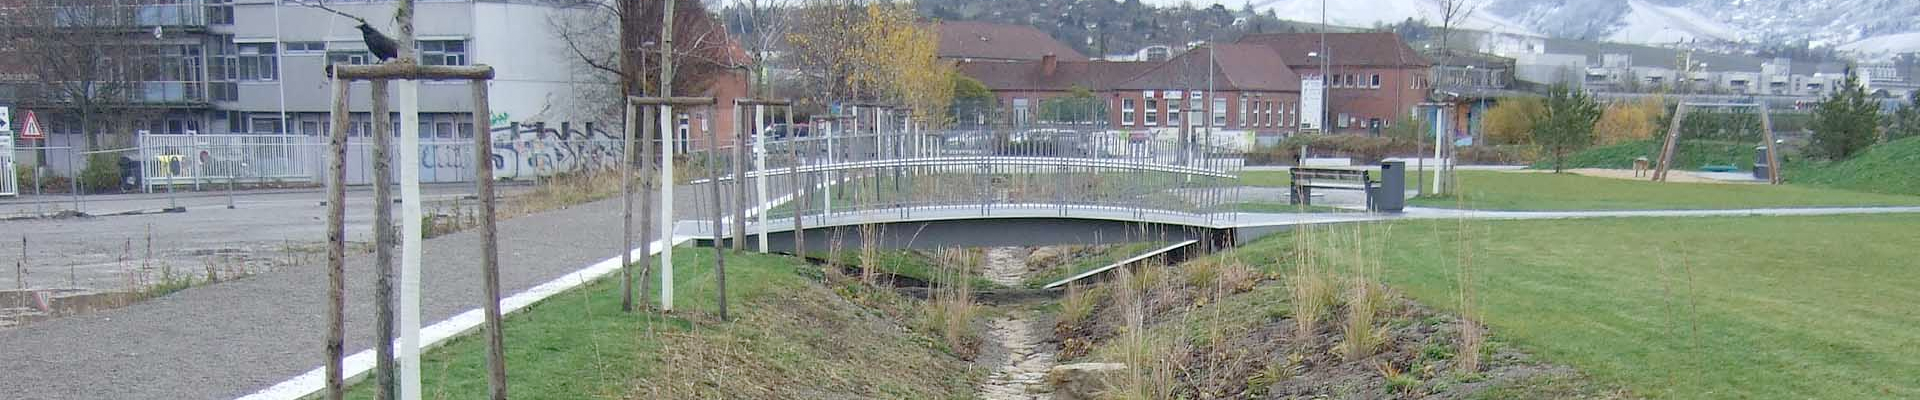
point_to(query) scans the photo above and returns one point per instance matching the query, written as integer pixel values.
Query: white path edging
(357, 366)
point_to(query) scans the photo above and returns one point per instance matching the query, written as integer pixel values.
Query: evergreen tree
(1844, 123)
(1568, 123)
(1906, 121)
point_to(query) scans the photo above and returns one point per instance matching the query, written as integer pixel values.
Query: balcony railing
(105, 16)
(152, 93)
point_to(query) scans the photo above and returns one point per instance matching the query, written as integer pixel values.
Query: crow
(380, 45)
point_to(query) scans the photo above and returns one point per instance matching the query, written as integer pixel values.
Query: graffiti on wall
(526, 150)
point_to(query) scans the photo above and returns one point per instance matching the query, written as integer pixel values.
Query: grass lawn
(1742, 308)
(1487, 190)
(786, 339)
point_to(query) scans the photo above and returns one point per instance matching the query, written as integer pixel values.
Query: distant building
(982, 41)
(1629, 68)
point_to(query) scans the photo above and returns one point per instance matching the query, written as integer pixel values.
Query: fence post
(720, 252)
(336, 242)
(489, 245)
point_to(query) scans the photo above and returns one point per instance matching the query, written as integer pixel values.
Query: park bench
(1307, 179)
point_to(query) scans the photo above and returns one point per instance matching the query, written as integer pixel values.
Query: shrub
(1629, 121)
(101, 174)
(1845, 122)
(1510, 121)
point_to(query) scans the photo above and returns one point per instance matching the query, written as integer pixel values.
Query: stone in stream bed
(1083, 380)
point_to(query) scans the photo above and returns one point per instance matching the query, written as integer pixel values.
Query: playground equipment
(1766, 132)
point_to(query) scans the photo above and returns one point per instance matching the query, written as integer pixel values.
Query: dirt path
(1022, 373)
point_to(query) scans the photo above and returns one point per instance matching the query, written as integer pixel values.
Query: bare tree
(1453, 13)
(762, 25)
(91, 58)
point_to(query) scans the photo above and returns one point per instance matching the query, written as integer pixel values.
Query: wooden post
(337, 243)
(383, 242)
(489, 243)
(1773, 154)
(646, 195)
(626, 212)
(719, 249)
(760, 165)
(793, 181)
(739, 178)
(1673, 143)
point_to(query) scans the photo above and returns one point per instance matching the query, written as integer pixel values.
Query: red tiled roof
(988, 41)
(1030, 75)
(1236, 67)
(1371, 49)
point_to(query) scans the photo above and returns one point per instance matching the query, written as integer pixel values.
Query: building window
(1196, 102)
(306, 48)
(348, 57)
(1241, 118)
(1273, 112)
(1376, 81)
(1174, 100)
(1351, 82)
(258, 62)
(220, 12)
(443, 52)
(1343, 120)
(1126, 112)
(1020, 110)
(1153, 111)
(1219, 111)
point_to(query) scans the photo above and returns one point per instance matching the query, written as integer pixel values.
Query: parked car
(782, 131)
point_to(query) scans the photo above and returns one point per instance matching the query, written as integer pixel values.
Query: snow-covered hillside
(1855, 25)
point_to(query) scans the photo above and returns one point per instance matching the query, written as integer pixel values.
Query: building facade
(1372, 79)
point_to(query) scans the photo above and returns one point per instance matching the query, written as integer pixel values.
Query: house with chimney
(1253, 85)
(968, 41)
(1225, 86)
(1372, 78)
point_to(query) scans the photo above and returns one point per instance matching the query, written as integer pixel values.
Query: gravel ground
(233, 338)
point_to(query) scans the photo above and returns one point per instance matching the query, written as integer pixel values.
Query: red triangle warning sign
(30, 128)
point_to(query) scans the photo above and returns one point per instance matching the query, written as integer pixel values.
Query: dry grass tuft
(951, 311)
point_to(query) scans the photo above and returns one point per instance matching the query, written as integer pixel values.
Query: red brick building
(1375, 78)
(1252, 88)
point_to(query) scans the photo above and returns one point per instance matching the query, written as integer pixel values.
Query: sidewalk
(234, 338)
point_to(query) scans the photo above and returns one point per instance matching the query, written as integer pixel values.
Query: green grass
(1088, 263)
(1747, 307)
(1892, 168)
(1266, 178)
(1543, 191)
(1692, 155)
(578, 345)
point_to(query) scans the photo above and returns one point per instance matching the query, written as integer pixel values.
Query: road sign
(30, 129)
(6, 118)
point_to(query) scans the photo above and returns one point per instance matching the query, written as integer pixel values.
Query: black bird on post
(379, 44)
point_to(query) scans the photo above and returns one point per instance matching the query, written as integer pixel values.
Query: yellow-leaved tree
(1629, 121)
(1510, 121)
(897, 60)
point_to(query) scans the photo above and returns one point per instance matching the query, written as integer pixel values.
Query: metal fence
(198, 160)
(877, 161)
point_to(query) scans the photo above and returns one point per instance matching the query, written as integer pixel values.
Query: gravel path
(233, 338)
(1022, 374)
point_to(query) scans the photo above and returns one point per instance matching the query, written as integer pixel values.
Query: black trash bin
(129, 174)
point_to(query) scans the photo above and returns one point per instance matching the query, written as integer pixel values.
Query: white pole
(666, 207)
(760, 164)
(1439, 129)
(410, 239)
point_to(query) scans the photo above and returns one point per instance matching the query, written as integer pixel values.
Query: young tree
(970, 97)
(1510, 121)
(1567, 125)
(1844, 123)
(1906, 121)
(1079, 105)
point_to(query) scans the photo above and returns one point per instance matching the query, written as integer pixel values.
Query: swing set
(1672, 144)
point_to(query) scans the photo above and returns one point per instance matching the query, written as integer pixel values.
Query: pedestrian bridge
(986, 187)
